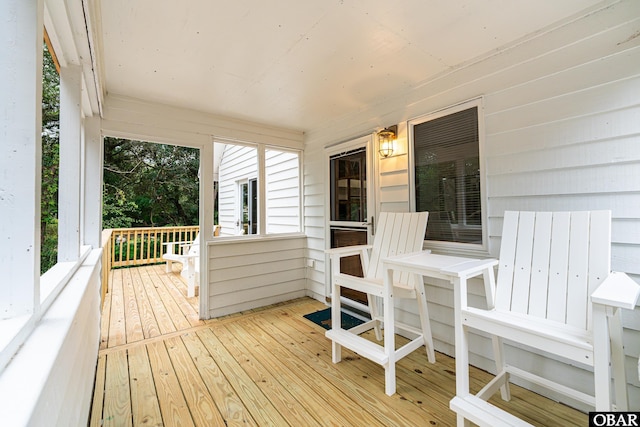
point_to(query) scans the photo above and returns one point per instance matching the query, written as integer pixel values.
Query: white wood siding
(240, 163)
(562, 132)
(283, 191)
(253, 272)
(315, 187)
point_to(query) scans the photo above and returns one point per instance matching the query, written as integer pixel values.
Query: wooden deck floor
(159, 365)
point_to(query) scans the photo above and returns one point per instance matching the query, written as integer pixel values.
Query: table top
(427, 262)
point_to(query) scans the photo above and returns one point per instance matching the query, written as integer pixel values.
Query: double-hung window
(447, 178)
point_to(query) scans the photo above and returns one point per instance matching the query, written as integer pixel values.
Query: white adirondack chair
(396, 233)
(186, 253)
(555, 293)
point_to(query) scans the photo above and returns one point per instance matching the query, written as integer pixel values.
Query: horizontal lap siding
(283, 191)
(315, 184)
(562, 132)
(251, 273)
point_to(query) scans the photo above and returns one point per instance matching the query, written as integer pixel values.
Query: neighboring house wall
(253, 272)
(239, 164)
(562, 126)
(282, 191)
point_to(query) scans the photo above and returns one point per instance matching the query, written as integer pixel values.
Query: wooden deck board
(263, 367)
(117, 407)
(249, 390)
(106, 314)
(173, 405)
(144, 399)
(160, 312)
(228, 402)
(95, 420)
(203, 409)
(133, 323)
(296, 378)
(361, 377)
(177, 289)
(117, 331)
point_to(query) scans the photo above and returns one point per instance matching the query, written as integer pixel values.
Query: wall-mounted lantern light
(386, 138)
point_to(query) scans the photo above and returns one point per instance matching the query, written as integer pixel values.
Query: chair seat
(373, 286)
(570, 342)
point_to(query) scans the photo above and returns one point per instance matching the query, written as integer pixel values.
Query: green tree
(50, 162)
(149, 185)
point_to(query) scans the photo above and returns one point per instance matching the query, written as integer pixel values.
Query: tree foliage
(149, 185)
(50, 162)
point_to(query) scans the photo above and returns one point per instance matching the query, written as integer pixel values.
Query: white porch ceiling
(300, 64)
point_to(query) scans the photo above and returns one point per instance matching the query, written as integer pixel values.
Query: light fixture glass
(386, 137)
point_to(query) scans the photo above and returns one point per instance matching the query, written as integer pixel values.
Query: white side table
(452, 268)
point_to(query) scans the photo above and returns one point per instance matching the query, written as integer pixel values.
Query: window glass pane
(234, 167)
(447, 176)
(282, 171)
(349, 186)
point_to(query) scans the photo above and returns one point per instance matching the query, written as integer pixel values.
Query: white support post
(21, 39)
(70, 163)
(206, 222)
(93, 156)
(262, 191)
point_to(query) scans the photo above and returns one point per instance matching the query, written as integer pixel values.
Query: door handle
(372, 224)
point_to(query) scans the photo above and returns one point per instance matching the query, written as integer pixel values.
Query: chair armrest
(471, 268)
(617, 290)
(347, 250)
(176, 243)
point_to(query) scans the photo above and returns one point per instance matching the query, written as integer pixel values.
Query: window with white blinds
(447, 175)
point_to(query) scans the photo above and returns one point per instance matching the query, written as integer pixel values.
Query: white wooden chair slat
(578, 268)
(394, 240)
(396, 233)
(507, 260)
(555, 293)
(374, 257)
(522, 268)
(403, 247)
(558, 262)
(599, 254)
(540, 265)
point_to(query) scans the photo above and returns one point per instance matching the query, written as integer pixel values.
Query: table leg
(389, 334)
(461, 340)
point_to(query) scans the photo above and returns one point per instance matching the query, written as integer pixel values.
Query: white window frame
(454, 247)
